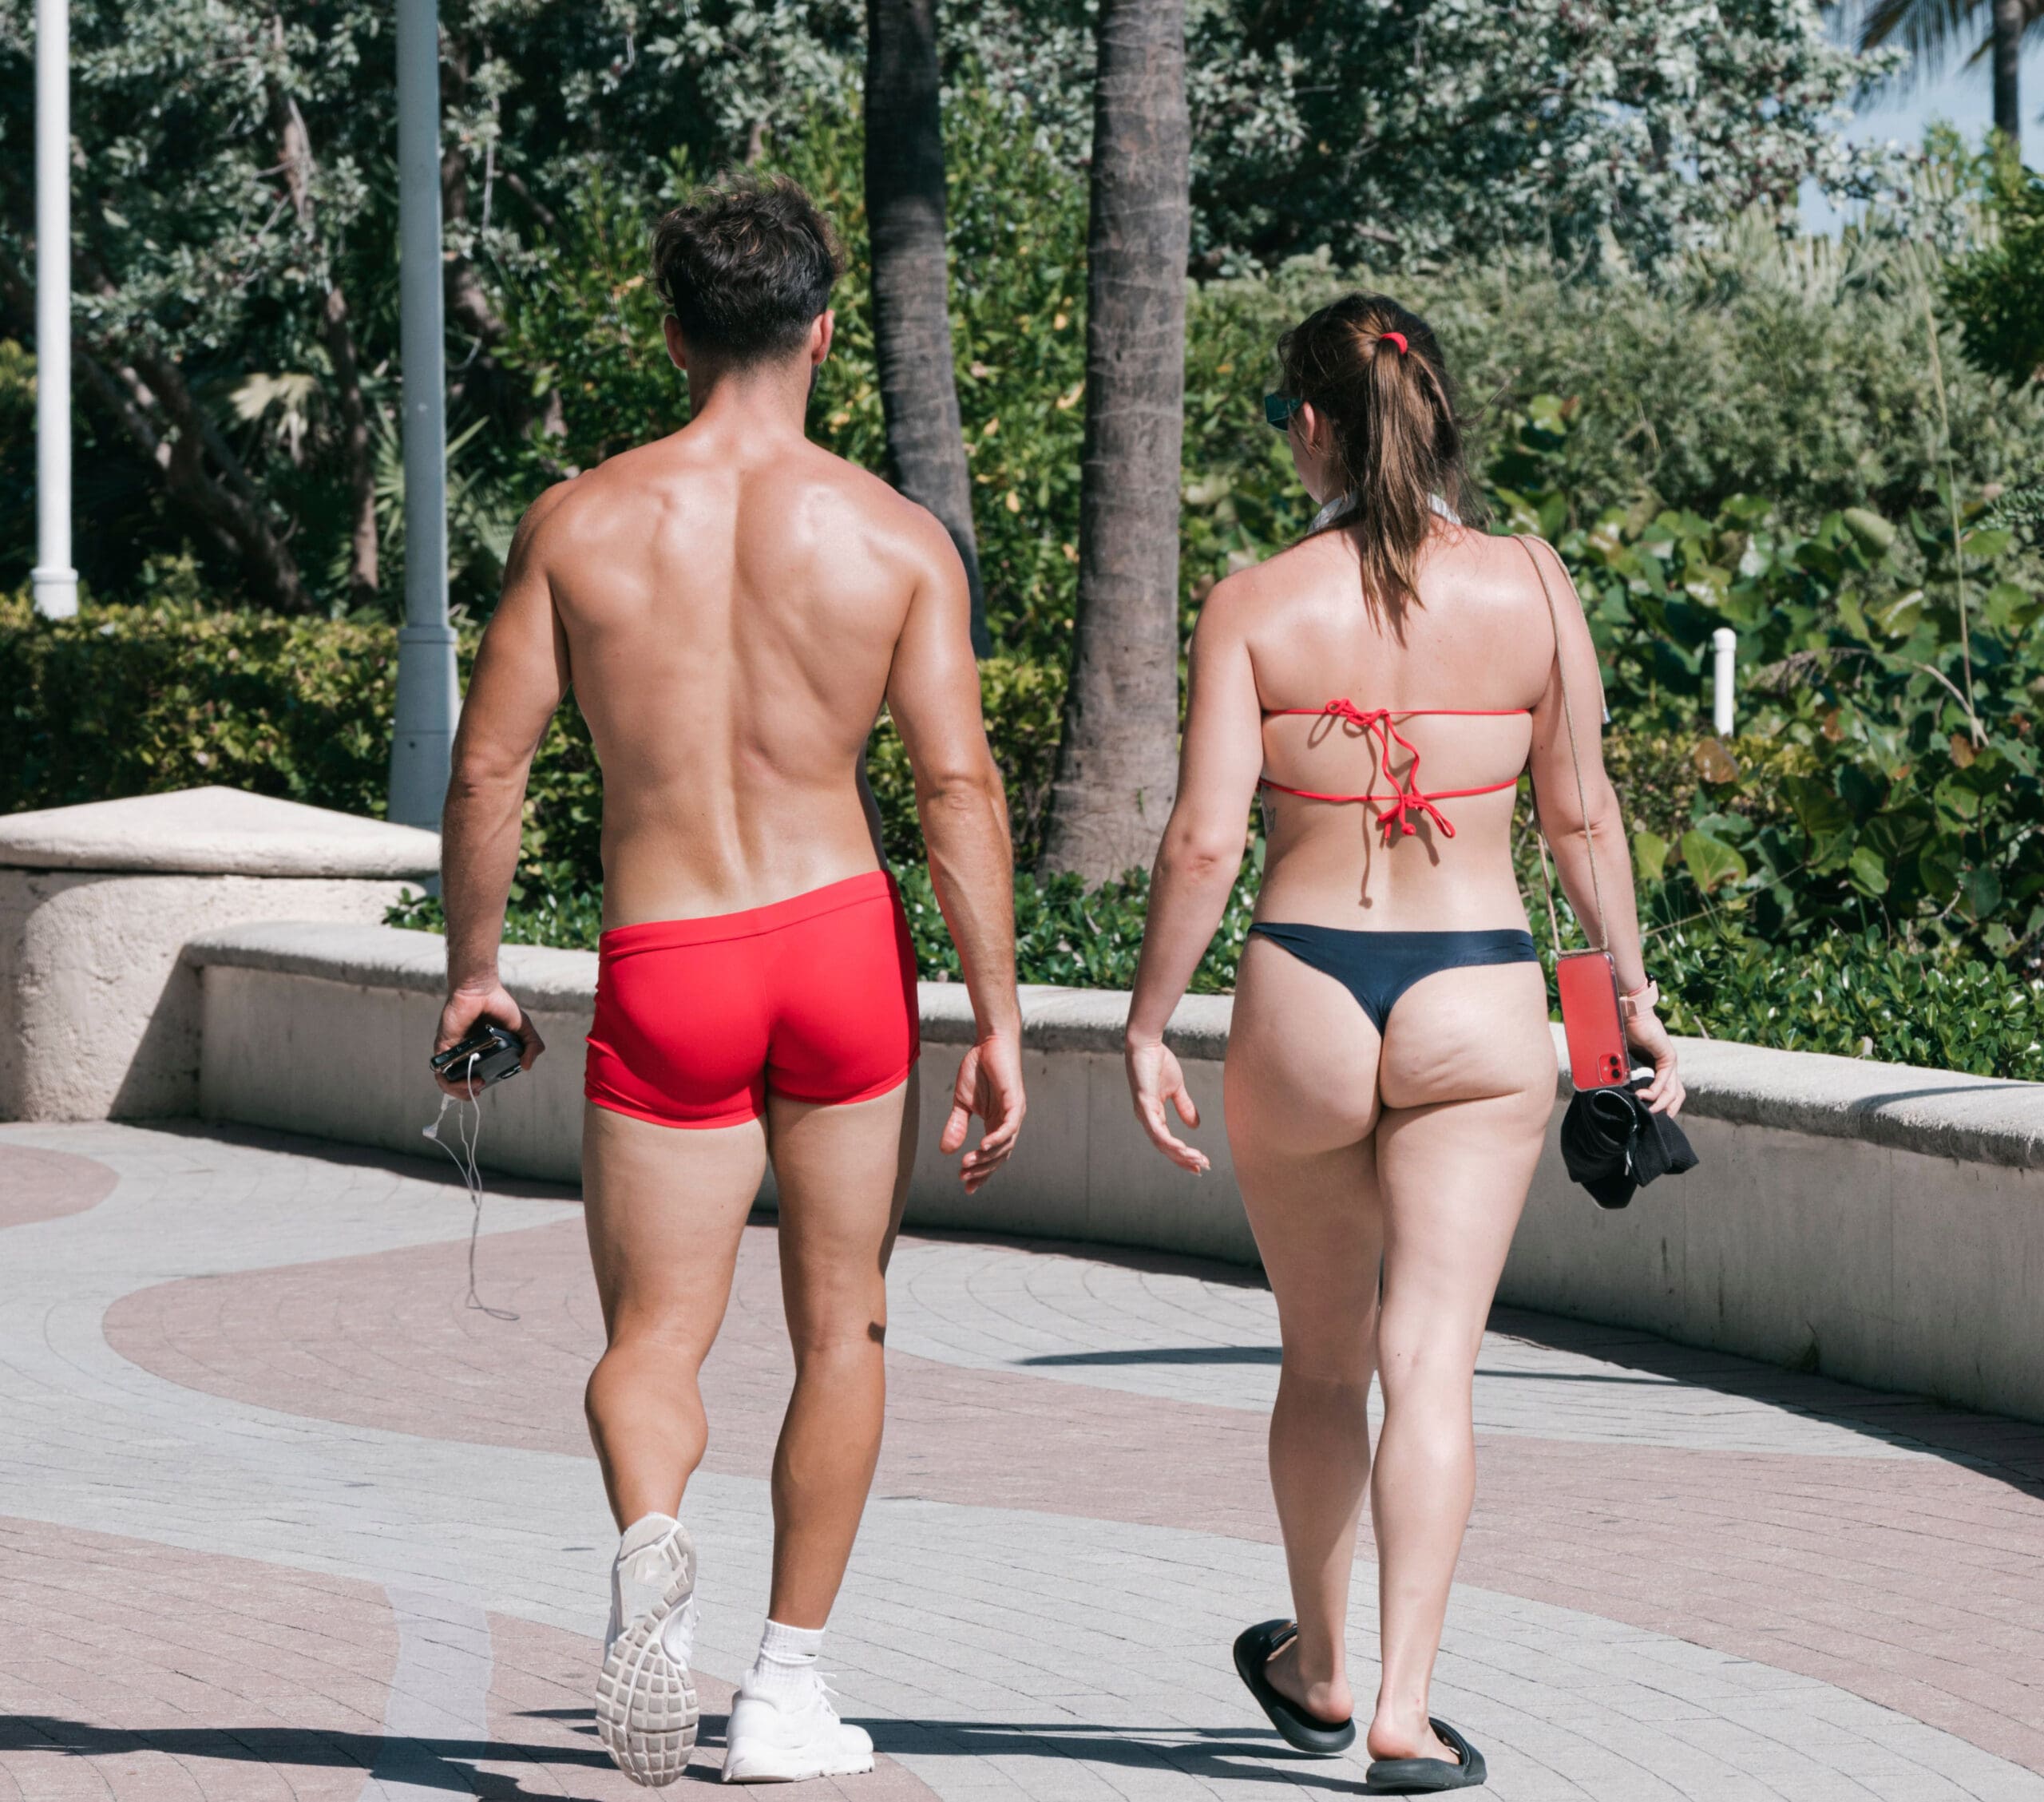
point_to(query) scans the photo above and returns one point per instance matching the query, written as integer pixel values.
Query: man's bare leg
(665, 1207)
(842, 1174)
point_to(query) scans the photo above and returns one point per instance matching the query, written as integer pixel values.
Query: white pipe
(428, 697)
(54, 581)
(1725, 643)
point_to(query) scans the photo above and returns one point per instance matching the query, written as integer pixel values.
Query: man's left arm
(521, 672)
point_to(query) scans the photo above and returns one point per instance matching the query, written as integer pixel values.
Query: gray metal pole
(428, 699)
(54, 581)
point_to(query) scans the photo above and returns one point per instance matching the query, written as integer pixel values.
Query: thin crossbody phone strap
(1575, 761)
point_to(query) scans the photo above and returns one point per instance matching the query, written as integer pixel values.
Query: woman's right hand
(1154, 1077)
(1645, 1034)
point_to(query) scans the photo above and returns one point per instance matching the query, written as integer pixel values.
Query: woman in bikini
(1390, 1073)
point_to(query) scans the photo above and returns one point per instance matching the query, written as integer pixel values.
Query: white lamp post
(54, 581)
(1724, 649)
(428, 699)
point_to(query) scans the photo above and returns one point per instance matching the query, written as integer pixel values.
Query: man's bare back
(732, 606)
(732, 600)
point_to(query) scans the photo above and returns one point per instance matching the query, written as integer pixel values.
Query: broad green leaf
(1711, 861)
(1649, 855)
(1868, 870)
(1984, 892)
(1825, 817)
(1893, 833)
(1871, 529)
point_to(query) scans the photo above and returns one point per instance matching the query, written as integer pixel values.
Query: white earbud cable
(470, 1124)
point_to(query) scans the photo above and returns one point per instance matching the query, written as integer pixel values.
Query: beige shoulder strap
(1575, 760)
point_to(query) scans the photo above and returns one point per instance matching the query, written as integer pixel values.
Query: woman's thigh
(1301, 1102)
(1468, 1084)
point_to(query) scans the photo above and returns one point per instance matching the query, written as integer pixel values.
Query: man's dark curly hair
(745, 265)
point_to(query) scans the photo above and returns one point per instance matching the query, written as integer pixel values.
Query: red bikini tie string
(1408, 797)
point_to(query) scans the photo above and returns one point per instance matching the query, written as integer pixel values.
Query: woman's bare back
(1459, 675)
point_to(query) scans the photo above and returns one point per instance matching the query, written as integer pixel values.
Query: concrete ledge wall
(99, 1011)
(1883, 1224)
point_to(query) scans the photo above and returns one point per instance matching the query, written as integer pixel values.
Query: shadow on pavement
(428, 1164)
(1216, 1754)
(1224, 1755)
(1163, 1354)
(2012, 1451)
(433, 1764)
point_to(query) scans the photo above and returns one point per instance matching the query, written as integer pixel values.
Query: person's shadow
(428, 1763)
(1210, 1755)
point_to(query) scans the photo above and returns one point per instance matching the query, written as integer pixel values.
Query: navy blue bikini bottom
(1377, 967)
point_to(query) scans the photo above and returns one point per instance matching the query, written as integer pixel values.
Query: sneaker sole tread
(645, 1705)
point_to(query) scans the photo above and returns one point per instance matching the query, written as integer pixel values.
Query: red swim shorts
(814, 998)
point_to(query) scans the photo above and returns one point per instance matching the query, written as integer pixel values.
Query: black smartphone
(496, 1053)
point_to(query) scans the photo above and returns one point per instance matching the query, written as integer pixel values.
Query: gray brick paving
(995, 1652)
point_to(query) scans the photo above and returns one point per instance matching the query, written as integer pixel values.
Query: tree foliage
(235, 203)
(1996, 290)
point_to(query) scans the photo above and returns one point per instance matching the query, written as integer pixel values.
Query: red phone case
(1591, 1020)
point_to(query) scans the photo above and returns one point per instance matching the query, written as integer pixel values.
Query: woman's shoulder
(1284, 575)
(1500, 570)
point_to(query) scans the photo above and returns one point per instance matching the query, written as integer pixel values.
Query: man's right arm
(933, 693)
(521, 675)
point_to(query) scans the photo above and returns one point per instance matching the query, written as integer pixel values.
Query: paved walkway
(280, 1516)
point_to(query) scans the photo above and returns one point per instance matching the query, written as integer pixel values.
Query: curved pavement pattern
(281, 1516)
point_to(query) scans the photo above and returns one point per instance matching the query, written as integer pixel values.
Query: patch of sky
(1960, 95)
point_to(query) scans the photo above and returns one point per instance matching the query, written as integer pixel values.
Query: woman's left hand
(1154, 1077)
(1647, 1035)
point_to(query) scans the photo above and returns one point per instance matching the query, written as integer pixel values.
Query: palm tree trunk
(2008, 57)
(911, 290)
(1117, 765)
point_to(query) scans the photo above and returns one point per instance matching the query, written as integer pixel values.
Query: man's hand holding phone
(468, 1012)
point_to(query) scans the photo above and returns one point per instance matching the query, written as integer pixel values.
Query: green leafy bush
(133, 700)
(1887, 773)
(1857, 996)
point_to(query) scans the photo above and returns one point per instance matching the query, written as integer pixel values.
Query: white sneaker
(645, 1700)
(783, 1737)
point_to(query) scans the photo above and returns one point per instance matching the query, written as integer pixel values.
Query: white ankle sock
(646, 1530)
(786, 1660)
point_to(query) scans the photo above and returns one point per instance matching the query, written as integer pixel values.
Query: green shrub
(1857, 996)
(134, 700)
(1887, 773)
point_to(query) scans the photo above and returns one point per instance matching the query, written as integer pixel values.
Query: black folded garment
(1612, 1143)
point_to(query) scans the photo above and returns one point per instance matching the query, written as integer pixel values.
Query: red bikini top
(1405, 797)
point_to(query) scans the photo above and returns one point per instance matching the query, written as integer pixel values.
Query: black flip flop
(1301, 1731)
(1428, 1777)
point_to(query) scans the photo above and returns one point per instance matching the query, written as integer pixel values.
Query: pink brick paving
(39, 1185)
(141, 1674)
(1916, 1583)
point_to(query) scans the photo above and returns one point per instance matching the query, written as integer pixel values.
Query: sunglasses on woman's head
(1278, 409)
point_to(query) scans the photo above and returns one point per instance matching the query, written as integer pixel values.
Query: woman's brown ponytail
(1374, 372)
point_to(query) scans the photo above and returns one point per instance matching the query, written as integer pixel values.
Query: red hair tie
(1397, 338)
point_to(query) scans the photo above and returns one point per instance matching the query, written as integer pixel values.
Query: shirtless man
(733, 604)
